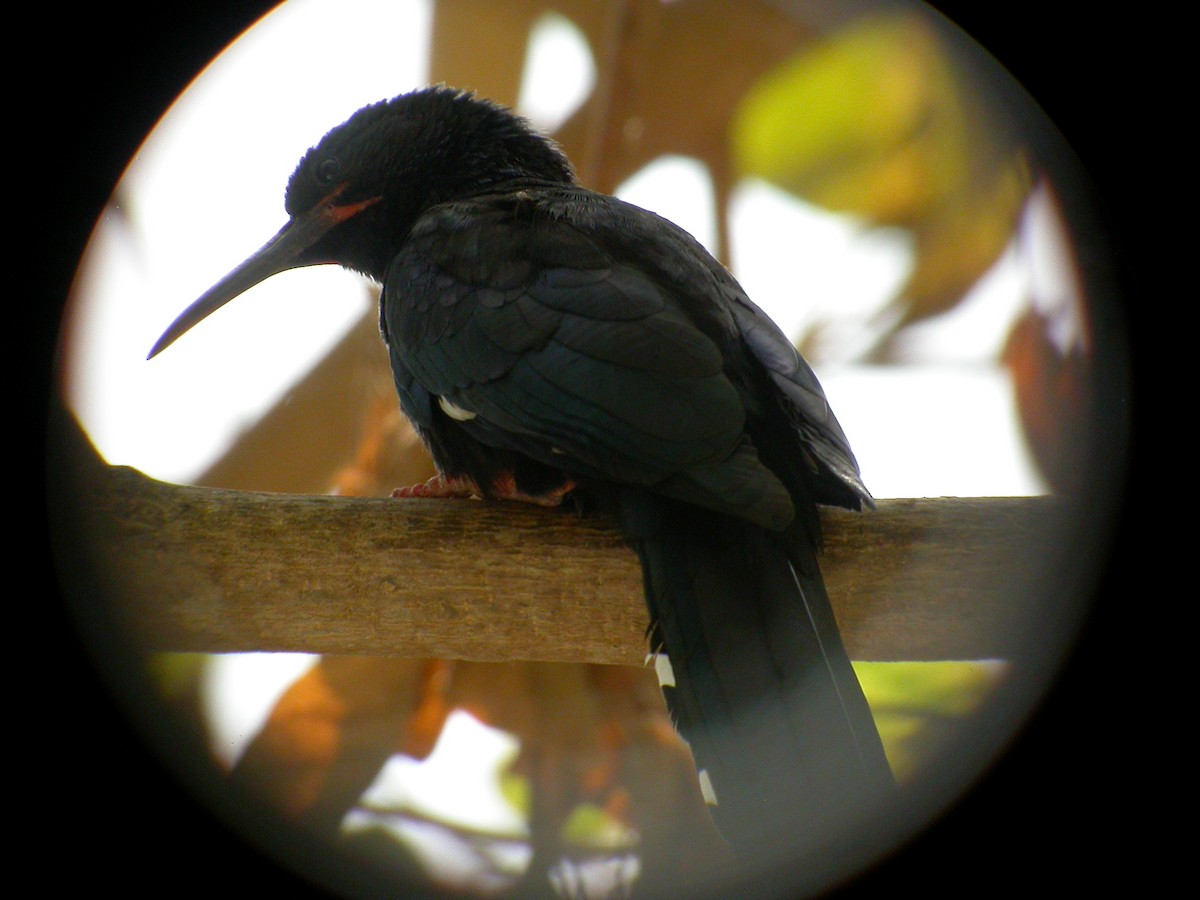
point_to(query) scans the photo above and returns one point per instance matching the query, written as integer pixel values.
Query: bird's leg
(504, 487)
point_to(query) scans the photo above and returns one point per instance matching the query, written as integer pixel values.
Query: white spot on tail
(457, 413)
(706, 788)
(662, 668)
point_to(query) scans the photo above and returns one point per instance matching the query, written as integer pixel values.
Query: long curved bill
(286, 250)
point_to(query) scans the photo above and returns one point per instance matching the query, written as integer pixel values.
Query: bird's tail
(755, 675)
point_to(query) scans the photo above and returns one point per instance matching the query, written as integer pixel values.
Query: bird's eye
(327, 170)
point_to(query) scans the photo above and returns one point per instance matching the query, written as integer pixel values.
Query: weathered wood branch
(203, 569)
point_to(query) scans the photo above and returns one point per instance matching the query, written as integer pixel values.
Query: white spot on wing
(457, 413)
(662, 668)
(706, 788)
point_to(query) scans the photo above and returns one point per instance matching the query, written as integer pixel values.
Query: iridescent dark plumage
(550, 339)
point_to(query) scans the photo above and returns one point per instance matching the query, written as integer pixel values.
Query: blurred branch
(192, 568)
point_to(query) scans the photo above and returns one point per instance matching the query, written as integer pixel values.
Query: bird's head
(354, 196)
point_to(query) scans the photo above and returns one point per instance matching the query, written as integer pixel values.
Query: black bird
(549, 341)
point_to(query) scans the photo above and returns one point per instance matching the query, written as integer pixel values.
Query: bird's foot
(505, 487)
(440, 487)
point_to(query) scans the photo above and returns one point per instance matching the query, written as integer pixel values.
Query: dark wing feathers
(565, 326)
(809, 410)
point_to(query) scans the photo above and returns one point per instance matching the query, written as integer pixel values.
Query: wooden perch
(202, 569)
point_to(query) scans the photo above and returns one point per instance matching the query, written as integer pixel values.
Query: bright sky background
(206, 190)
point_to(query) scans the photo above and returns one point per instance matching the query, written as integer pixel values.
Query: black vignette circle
(84, 133)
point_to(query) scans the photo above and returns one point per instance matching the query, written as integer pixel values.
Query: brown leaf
(599, 735)
(330, 732)
(1054, 399)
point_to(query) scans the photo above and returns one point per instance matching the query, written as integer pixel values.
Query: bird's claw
(439, 487)
(503, 488)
